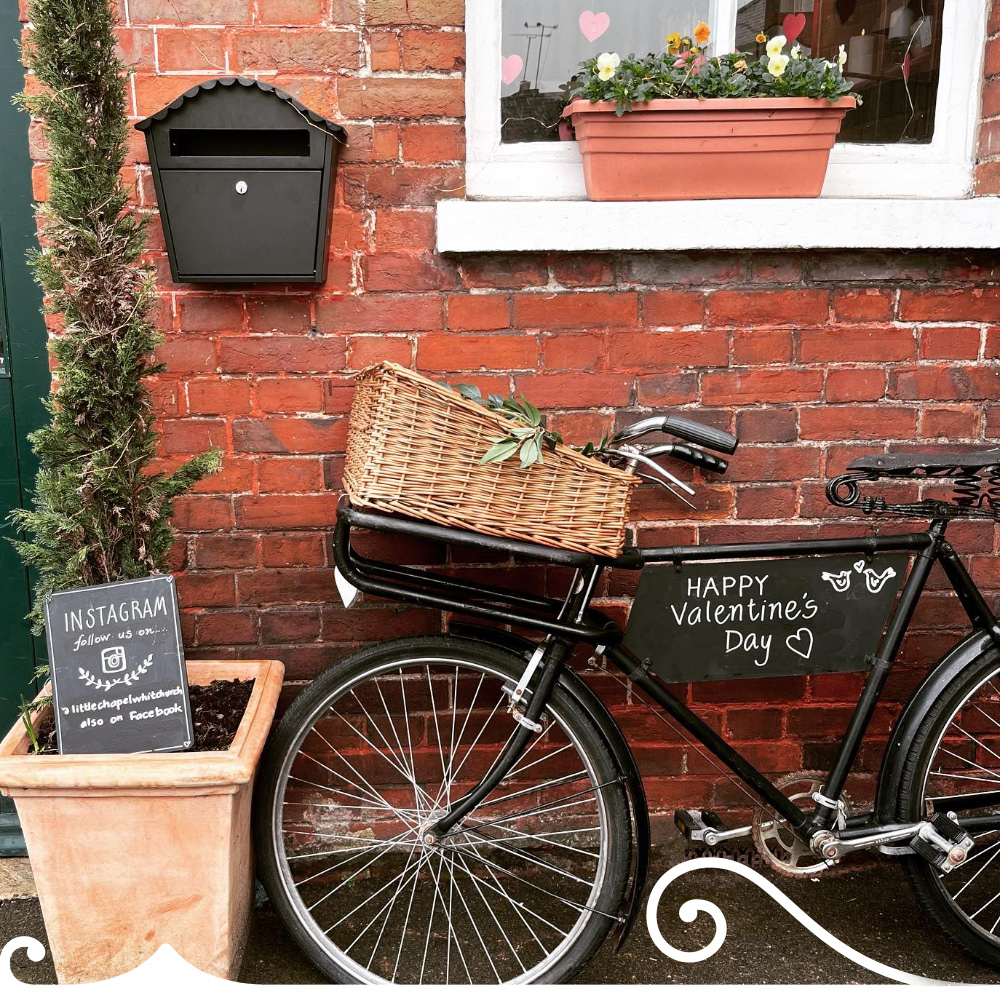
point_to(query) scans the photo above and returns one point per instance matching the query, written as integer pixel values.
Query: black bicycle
(463, 808)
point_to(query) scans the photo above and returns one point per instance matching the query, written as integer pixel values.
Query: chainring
(774, 839)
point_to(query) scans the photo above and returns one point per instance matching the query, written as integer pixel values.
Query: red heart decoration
(792, 26)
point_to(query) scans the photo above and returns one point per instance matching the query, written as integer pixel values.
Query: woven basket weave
(414, 447)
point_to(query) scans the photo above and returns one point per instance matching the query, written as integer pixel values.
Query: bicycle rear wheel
(956, 752)
(370, 755)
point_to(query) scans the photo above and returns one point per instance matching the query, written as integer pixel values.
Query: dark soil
(217, 710)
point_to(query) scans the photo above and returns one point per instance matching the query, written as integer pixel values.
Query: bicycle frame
(570, 621)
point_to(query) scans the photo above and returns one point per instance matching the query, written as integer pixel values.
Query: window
(916, 63)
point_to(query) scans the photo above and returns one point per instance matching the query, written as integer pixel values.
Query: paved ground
(869, 908)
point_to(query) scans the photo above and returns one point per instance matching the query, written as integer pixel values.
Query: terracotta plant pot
(680, 150)
(132, 851)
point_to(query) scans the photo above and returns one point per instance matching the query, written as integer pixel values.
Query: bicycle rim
(500, 899)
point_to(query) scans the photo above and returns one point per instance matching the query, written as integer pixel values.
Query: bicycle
(463, 808)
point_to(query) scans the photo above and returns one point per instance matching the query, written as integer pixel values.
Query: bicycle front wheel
(956, 753)
(375, 751)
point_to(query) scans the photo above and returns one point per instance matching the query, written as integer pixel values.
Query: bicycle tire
(374, 664)
(939, 744)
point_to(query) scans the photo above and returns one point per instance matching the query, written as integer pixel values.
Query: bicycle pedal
(943, 842)
(700, 826)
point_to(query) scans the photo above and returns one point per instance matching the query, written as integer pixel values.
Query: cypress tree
(99, 516)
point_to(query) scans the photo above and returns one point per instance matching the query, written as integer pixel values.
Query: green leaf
(470, 392)
(501, 451)
(529, 453)
(531, 411)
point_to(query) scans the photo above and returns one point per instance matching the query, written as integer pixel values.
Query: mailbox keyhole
(241, 187)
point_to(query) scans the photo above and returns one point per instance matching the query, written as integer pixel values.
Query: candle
(861, 55)
(900, 24)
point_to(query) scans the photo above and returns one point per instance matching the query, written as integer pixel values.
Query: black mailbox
(243, 174)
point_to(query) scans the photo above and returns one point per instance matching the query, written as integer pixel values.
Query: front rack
(427, 589)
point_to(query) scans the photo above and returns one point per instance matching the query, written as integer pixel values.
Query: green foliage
(688, 73)
(98, 515)
(528, 441)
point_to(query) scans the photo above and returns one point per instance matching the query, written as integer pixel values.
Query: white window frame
(553, 171)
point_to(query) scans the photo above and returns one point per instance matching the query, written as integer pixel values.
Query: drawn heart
(594, 25)
(510, 68)
(792, 26)
(801, 643)
(860, 565)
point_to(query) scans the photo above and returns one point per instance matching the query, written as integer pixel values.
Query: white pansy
(842, 57)
(795, 51)
(607, 63)
(775, 45)
(776, 65)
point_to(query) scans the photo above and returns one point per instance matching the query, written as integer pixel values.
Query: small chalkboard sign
(763, 618)
(119, 683)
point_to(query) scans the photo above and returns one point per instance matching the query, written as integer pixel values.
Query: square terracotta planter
(132, 851)
(685, 149)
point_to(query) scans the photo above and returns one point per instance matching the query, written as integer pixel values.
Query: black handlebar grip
(696, 433)
(710, 463)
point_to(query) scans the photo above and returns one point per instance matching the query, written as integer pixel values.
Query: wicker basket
(414, 448)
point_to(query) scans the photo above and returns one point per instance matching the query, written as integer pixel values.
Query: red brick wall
(812, 357)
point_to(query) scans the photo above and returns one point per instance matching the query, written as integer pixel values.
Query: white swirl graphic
(690, 910)
(35, 950)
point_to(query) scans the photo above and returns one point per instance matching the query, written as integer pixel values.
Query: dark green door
(24, 381)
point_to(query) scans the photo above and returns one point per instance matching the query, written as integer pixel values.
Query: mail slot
(243, 174)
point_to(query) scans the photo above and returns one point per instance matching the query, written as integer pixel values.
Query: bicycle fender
(617, 745)
(953, 663)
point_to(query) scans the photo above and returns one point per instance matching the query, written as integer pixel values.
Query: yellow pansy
(702, 32)
(674, 42)
(775, 45)
(740, 65)
(776, 65)
(761, 38)
(607, 63)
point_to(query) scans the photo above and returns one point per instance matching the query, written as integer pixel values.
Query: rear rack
(427, 589)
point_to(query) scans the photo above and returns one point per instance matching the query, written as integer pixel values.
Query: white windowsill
(466, 226)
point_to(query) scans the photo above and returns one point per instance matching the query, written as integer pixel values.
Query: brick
(191, 49)
(188, 355)
(771, 423)
(633, 350)
(309, 51)
(766, 502)
(857, 343)
(206, 590)
(493, 271)
(411, 185)
(855, 385)
(761, 346)
(403, 230)
(286, 586)
(223, 628)
(667, 308)
(575, 351)
(189, 11)
(279, 313)
(939, 422)
(478, 312)
(290, 395)
(980, 305)
(943, 382)
(190, 437)
(384, 49)
(289, 435)
(866, 304)
(226, 551)
(754, 723)
(203, 513)
(586, 310)
(761, 385)
(277, 512)
(432, 142)
(401, 98)
(281, 551)
(290, 475)
(403, 272)
(793, 307)
(583, 270)
(439, 51)
(575, 390)
(290, 625)
(446, 12)
(456, 352)
(369, 349)
(950, 342)
(272, 355)
(221, 313)
(215, 395)
(295, 11)
(380, 314)
(774, 464)
(858, 423)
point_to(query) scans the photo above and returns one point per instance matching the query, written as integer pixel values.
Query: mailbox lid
(269, 231)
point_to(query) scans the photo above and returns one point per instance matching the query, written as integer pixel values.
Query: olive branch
(128, 679)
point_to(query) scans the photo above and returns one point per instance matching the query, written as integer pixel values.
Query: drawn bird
(875, 581)
(839, 581)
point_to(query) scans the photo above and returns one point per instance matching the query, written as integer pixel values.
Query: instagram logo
(113, 660)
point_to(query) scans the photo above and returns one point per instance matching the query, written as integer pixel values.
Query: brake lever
(634, 455)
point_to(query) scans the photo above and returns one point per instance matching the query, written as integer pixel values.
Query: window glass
(893, 56)
(544, 42)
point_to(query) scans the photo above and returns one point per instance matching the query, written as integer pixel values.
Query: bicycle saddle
(927, 463)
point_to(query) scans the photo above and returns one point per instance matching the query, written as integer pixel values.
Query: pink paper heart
(510, 68)
(792, 26)
(594, 25)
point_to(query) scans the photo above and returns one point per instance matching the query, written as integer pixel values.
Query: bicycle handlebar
(685, 428)
(710, 463)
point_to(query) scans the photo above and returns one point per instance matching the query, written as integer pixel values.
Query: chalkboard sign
(763, 618)
(119, 684)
